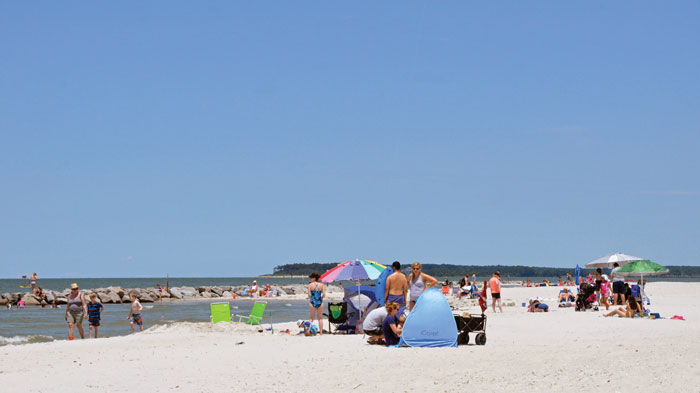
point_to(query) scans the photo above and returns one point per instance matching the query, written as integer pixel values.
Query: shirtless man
(396, 286)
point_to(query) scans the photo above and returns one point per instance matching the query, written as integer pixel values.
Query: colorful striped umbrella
(354, 271)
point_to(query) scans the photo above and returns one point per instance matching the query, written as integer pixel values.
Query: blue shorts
(396, 299)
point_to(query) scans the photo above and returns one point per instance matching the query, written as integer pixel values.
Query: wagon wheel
(463, 338)
(480, 339)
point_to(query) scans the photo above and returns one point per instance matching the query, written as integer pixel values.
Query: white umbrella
(610, 259)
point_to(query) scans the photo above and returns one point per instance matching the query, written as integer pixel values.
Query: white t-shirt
(615, 276)
(374, 319)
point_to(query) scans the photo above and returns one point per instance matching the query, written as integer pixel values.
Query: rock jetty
(149, 295)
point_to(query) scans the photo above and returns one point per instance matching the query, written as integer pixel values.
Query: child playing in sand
(135, 313)
(310, 329)
(94, 309)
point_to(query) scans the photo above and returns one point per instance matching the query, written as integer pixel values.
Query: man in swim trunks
(618, 285)
(495, 285)
(396, 286)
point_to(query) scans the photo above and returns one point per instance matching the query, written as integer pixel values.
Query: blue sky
(225, 138)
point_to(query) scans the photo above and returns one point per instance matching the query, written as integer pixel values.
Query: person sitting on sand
(390, 326)
(253, 289)
(536, 306)
(630, 311)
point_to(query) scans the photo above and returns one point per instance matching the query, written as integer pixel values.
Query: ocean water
(36, 324)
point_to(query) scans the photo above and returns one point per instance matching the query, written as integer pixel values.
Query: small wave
(17, 340)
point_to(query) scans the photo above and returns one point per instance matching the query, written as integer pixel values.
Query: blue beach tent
(431, 323)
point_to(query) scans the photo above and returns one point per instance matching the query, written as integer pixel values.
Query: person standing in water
(396, 286)
(418, 282)
(135, 313)
(316, 292)
(76, 311)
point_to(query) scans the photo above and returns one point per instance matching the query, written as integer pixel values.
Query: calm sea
(36, 324)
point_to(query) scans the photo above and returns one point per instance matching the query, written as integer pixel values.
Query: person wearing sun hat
(76, 311)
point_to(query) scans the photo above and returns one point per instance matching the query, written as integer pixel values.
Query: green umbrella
(642, 268)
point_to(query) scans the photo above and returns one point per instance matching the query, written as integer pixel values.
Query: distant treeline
(447, 270)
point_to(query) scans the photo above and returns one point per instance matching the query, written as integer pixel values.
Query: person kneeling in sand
(372, 325)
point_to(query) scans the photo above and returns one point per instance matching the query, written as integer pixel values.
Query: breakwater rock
(117, 295)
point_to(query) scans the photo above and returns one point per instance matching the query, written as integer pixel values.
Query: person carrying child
(135, 313)
(94, 308)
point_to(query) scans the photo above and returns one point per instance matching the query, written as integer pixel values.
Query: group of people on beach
(385, 324)
(78, 309)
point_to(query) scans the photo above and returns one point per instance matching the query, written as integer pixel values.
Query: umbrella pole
(359, 303)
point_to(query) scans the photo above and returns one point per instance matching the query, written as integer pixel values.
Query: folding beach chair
(220, 312)
(256, 314)
(337, 316)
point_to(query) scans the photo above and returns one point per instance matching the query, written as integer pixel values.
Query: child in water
(135, 313)
(94, 309)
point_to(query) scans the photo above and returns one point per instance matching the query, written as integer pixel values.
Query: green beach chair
(256, 314)
(220, 312)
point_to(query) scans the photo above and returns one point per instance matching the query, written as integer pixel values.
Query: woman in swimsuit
(633, 308)
(418, 282)
(316, 292)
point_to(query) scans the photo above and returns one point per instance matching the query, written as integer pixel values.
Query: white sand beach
(558, 351)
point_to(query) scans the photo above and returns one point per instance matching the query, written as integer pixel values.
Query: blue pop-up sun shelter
(430, 323)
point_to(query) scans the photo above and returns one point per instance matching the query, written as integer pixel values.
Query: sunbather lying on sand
(536, 306)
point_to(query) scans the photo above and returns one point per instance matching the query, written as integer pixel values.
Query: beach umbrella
(577, 271)
(640, 269)
(356, 270)
(610, 259)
